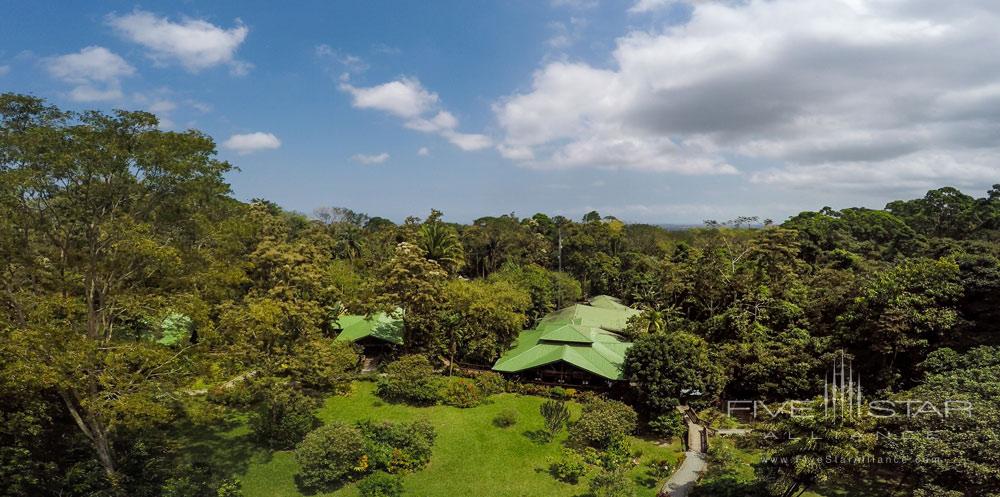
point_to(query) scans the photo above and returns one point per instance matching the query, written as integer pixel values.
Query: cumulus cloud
(420, 108)
(405, 97)
(252, 142)
(95, 71)
(194, 43)
(467, 141)
(823, 88)
(370, 159)
(423, 151)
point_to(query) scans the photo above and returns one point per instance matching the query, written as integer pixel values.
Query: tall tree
(105, 208)
(440, 243)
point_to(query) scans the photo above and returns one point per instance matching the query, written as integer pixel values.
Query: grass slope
(472, 457)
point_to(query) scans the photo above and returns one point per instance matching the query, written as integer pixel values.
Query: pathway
(682, 482)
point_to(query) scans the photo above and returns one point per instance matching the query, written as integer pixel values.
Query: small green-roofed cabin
(377, 333)
(577, 345)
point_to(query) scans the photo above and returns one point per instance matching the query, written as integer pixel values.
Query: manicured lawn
(472, 457)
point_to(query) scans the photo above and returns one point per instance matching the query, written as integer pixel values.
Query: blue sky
(654, 110)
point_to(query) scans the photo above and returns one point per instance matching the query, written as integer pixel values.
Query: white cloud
(370, 159)
(4, 70)
(161, 106)
(194, 43)
(566, 34)
(423, 151)
(343, 64)
(95, 71)
(917, 172)
(822, 88)
(649, 5)
(252, 142)
(200, 106)
(404, 98)
(575, 4)
(467, 141)
(441, 121)
(518, 153)
(408, 99)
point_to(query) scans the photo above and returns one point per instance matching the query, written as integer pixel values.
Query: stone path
(682, 482)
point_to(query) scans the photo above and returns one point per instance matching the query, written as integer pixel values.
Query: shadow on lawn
(540, 437)
(225, 453)
(307, 490)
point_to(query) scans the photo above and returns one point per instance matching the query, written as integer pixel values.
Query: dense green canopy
(584, 336)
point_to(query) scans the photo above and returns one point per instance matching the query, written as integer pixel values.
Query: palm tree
(349, 242)
(652, 320)
(440, 244)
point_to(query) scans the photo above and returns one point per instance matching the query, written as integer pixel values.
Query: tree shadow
(221, 450)
(646, 479)
(540, 437)
(307, 490)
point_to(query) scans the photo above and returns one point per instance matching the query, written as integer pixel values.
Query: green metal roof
(608, 302)
(579, 335)
(381, 326)
(597, 317)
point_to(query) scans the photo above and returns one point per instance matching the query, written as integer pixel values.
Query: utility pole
(560, 249)
(558, 279)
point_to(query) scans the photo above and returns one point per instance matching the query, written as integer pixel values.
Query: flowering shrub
(461, 392)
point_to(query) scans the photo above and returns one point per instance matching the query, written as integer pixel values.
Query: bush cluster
(338, 452)
(569, 468)
(283, 415)
(612, 484)
(330, 454)
(324, 364)
(410, 379)
(603, 421)
(461, 392)
(398, 447)
(490, 383)
(380, 484)
(668, 425)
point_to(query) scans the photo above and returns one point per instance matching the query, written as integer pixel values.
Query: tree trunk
(94, 430)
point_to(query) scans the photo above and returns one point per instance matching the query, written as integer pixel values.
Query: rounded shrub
(612, 484)
(491, 383)
(602, 422)
(668, 425)
(283, 416)
(506, 418)
(569, 468)
(380, 484)
(461, 392)
(330, 455)
(398, 447)
(411, 378)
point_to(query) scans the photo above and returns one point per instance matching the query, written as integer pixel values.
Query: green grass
(472, 457)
